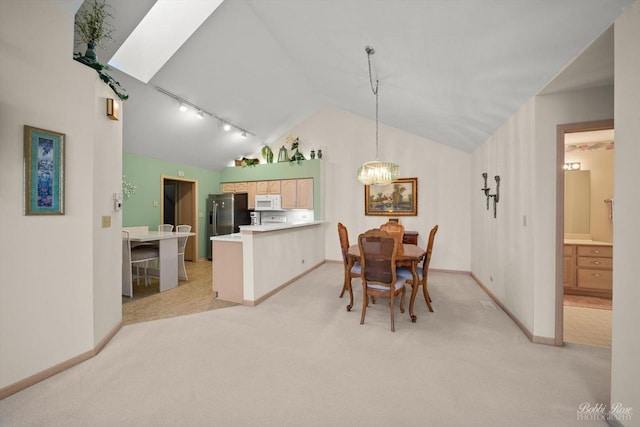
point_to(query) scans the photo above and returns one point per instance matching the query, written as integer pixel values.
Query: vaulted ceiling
(451, 71)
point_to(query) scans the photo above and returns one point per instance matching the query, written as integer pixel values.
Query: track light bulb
(227, 127)
(182, 107)
(200, 114)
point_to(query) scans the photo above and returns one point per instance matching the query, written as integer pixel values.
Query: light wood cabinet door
(297, 193)
(228, 187)
(289, 190)
(268, 187)
(234, 187)
(251, 194)
(305, 193)
(569, 272)
(240, 187)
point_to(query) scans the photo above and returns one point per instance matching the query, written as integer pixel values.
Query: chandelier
(375, 172)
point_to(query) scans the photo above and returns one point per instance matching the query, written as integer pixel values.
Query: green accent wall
(144, 173)
(282, 170)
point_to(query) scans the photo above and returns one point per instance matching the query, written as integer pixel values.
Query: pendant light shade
(375, 172)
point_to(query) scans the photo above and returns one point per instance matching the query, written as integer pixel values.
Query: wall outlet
(155, 203)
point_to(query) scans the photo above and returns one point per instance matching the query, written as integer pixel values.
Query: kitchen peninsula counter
(250, 266)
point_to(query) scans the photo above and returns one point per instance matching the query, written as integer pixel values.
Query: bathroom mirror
(577, 201)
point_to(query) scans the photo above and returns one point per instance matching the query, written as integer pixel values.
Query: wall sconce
(113, 109)
(496, 196)
(571, 166)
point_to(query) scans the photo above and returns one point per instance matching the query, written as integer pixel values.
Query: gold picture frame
(400, 198)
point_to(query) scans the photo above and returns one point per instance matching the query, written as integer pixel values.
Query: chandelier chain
(374, 89)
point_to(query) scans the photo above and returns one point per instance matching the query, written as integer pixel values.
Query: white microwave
(268, 202)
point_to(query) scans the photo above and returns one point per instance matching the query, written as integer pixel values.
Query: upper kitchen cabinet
(251, 194)
(268, 187)
(297, 193)
(234, 187)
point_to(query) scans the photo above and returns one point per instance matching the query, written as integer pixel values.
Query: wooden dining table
(410, 257)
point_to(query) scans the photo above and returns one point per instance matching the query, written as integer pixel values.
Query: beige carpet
(192, 296)
(300, 359)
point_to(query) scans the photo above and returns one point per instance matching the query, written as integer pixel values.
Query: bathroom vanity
(588, 268)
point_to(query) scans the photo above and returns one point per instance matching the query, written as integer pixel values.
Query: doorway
(570, 319)
(179, 206)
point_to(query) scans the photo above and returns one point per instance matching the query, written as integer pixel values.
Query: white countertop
(585, 242)
(235, 237)
(277, 226)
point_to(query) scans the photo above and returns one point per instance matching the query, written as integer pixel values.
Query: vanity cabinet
(297, 193)
(588, 270)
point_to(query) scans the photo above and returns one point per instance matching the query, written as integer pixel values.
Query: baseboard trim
(533, 338)
(56, 369)
(253, 303)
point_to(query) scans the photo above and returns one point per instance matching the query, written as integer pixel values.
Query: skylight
(165, 28)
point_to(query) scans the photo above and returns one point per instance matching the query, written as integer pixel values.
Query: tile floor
(590, 326)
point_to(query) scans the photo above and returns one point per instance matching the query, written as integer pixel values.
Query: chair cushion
(357, 268)
(399, 284)
(144, 252)
(405, 273)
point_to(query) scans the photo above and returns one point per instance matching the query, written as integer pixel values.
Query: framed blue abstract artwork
(43, 172)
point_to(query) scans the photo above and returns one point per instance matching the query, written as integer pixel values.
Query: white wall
(517, 261)
(348, 140)
(59, 288)
(625, 370)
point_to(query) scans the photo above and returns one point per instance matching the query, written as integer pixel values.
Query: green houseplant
(93, 27)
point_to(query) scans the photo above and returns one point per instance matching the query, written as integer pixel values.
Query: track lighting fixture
(201, 112)
(243, 135)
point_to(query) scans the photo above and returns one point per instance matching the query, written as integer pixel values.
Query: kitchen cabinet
(234, 187)
(297, 193)
(268, 187)
(588, 270)
(251, 194)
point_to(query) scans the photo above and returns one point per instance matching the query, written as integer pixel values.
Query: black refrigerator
(226, 213)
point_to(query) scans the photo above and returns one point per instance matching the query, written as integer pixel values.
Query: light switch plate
(106, 221)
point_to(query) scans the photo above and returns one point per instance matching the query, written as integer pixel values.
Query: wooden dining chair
(397, 231)
(378, 250)
(422, 271)
(349, 273)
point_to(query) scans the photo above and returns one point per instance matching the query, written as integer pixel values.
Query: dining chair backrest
(427, 257)
(397, 231)
(165, 227)
(378, 251)
(344, 240)
(182, 241)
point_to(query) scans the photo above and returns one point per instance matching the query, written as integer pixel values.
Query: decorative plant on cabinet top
(92, 27)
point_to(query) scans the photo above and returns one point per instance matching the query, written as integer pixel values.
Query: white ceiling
(451, 71)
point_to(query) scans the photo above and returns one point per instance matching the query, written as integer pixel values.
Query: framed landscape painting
(43, 172)
(398, 198)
